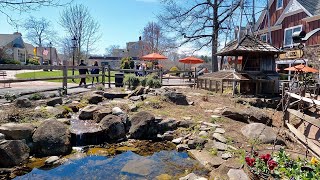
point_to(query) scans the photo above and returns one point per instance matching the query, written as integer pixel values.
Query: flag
(45, 52)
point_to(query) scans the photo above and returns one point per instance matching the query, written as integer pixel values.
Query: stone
(187, 118)
(54, 101)
(58, 111)
(192, 176)
(206, 159)
(87, 112)
(137, 92)
(64, 121)
(142, 167)
(14, 131)
(215, 116)
(177, 98)
(2, 137)
(219, 137)
(23, 103)
(203, 134)
(164, 177)
(182, 147)
(13, 152)
(237, 174)
(263, 133)
(210, 124)
(100, 114)
(196, 143)
(52, 138)
(98, 92)
(85, 132)
(226, 155)
(133, 108)
(117, 111)
(113, 128)
(168, 124)
(167, 136)
(208, 111)
(135, 98)
(219, 130)
(185, 124)
(114, 95)
(95, 98)
(143, 126)
(53, 160)
(177, 140)
(74, 106)
(220, 146)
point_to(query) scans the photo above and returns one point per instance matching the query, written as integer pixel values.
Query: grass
(58, 73)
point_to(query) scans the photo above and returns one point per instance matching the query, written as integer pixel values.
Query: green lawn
(57, 73)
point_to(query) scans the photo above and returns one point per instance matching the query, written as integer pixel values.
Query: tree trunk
(215, 38)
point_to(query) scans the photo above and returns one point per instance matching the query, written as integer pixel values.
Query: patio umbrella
(153, 56)
(302, 68)
(191, 60)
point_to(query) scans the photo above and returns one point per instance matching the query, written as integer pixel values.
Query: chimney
(17, 33)
(139, 38)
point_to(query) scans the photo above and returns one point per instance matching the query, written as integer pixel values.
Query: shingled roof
(247, 44)
(312, 6)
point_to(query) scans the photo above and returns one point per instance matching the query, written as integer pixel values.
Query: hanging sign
(294, 54)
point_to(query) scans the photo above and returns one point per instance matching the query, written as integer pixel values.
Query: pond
(127, 165)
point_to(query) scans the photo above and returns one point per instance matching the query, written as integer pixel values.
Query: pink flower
(272, 164)
(265, 157)
(250, 161)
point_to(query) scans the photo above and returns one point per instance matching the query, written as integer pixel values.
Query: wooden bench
(3, 74)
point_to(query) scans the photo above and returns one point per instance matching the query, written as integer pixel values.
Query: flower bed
(281, 166)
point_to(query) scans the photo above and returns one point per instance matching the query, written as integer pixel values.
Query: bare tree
(109, 50)
(78, 23)
(198, 21)
(38, 30)
(155, 39)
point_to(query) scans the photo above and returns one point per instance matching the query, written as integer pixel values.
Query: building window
(264, 37)
(279, 4)
(288, 35)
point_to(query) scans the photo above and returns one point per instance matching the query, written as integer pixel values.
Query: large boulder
(14, 131)
(177, 98)
(113, 128)
(52, 138)
(13, 152)
(87, 112)
(95, 98)
(101, 113)
(137, 92)
(249, 115)
(143, 126)
(23, 103)
(263, 133)
(54, 101)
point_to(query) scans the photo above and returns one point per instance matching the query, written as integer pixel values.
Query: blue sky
(121, 21)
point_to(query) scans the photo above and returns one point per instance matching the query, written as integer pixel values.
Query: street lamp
(50, 60)
(74, 46)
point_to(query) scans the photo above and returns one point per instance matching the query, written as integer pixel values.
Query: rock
(237, 174)
(248, 115)
(164, 177)
(135, 98)
(114, 95)
(191, 103)
(219, 137)
(52, 138)
(226, 155)
(192, 176)
(64, 121)
(263, 133)
(53, 160)
(14, 131)
(95, 98)
(143, 126)
(177, 98)
(113, 128)
(85, 132)
(208, 111)
(142, 167)
(58, 111)
(13, 152)
(2, 137)
(185, 124)
(117, 111)
(182, 147)
(219, 130)
(23, 103)
(218, 110)
(177, 140)
(210, 124)
(206, 159)
(220, 146)
(100, 114)
(168, 124)
(74, 106)
(215, 116)
(133, 108)
(137, 92)
(203, 134)
(98, 92)
(54, 101)
(87, 112)
(167, 136)
(196, 143)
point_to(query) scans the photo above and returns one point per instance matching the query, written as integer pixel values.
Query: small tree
(127, 63)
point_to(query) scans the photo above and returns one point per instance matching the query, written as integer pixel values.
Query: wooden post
(205, 84)
(221, 86)
(160, 74)
(217, 84)
(198, 83)
(65, 80)
(103, 75)
(257, 87)
(317, 91)
(210, 85)
(109, 78)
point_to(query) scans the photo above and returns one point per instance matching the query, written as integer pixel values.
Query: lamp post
(74, 46)
(50, 60)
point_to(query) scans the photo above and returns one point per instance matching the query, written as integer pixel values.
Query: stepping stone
(210, 124)
(177, 140)
(226, 156)
(219, 137)
(219, 130)
(237, 174)
(220, 146)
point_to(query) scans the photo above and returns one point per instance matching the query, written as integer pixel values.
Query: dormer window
(279, 4)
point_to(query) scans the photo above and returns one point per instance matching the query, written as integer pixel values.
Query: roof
(219, 75)
(8, 38)
(248, 44)
(312, 6)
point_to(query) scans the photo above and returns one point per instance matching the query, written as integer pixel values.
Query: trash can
(119, 79)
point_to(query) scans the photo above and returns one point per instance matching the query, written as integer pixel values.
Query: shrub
(132, 81)
(174, 68)
(143, 81)
(37, 96)
(9, 61)
(33, 62)
(127, 63)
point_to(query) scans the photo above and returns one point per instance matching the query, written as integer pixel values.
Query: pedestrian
(83, 72)
(95, 71)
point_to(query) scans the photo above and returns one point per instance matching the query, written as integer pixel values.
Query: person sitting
(95, 71)
(83, 72)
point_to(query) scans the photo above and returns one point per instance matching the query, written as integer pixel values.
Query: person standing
(95, 71)
(83, 72)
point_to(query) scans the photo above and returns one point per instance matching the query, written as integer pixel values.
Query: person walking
(95, 71)
(83, 72)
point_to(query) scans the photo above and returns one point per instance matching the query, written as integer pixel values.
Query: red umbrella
(154, 56)
(191, 60)
(302, 67)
